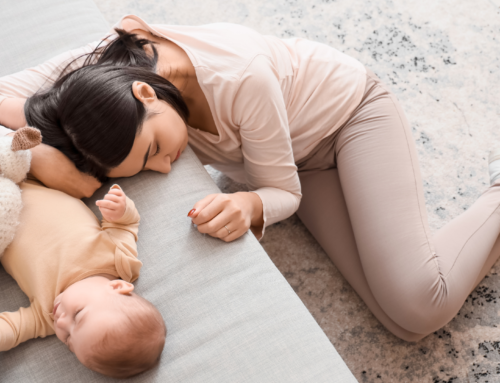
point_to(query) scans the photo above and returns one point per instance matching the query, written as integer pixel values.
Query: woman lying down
(307, 128)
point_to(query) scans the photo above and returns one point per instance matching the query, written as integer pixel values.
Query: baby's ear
(121, 286)
(26, 138)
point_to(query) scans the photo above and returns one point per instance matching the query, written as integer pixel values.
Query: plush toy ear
(26, 138)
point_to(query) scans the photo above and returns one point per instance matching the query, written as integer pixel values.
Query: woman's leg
(324, 212)
(419, 282)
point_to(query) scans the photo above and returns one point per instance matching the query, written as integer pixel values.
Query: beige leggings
(364, 203)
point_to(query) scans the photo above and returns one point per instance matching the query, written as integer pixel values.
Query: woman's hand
(56, 171)
(227, 216)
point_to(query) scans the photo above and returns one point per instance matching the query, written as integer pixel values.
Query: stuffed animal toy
(15, 159)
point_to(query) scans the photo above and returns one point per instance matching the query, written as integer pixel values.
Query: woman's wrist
(257, 213)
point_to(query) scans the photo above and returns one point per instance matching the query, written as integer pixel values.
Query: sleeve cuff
(277, 205)
(258, 232)
(131, 214)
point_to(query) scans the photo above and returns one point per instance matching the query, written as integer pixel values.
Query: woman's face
(161, 141)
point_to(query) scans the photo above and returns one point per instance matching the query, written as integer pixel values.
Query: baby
(77, 273)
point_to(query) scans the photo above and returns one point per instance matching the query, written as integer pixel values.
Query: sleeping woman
(306, 127)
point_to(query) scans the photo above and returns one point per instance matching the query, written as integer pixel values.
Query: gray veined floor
(441, 59)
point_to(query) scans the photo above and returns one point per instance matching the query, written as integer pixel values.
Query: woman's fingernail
(191, 212)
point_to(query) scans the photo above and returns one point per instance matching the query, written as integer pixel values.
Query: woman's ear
(121, 287)
(143, 92)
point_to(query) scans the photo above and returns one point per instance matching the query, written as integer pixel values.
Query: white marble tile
(442, 60)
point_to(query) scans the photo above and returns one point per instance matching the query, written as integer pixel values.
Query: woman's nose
(163, 166)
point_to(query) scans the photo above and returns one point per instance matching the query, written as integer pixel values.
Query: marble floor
(442, 60)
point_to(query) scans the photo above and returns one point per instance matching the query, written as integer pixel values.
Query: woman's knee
(410, 327)
(409, 336)
(418, 315)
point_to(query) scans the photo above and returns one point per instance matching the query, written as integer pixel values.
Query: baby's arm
(120, 217)
(121, 223)
(114, 204)
(17, 327)
(7, 335)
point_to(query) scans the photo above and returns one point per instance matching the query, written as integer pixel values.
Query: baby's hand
(113, 205)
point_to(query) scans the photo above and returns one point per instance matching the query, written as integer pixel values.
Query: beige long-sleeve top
(272, 101)
(59, 242)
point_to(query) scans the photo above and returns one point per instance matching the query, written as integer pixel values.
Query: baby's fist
(113, 205)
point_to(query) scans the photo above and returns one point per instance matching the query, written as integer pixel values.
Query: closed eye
(67, 338)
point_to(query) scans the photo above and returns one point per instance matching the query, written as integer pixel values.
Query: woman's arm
(12, 113)
(56, 171)
(17, 87)
(27, 82)
(270, 169)
(48, 165)
(260, 112)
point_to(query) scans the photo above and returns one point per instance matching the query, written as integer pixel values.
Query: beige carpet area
(441, 59)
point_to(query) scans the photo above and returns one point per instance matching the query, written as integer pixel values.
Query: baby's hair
(134, 347)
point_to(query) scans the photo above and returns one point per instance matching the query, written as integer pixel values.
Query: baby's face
(84, 312)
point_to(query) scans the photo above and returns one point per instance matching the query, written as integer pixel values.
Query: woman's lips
(55, 308)
(178, 154)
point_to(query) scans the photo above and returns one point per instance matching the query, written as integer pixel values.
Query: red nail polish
(191, 212)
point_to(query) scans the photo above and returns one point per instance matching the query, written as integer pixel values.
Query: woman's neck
(183, 77)
(200, 115)
(175, 65)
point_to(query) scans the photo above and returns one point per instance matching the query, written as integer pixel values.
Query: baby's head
(109, 328)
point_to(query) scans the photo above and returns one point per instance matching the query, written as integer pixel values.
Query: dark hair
(125, 49)
(92, 116)
(128, 50)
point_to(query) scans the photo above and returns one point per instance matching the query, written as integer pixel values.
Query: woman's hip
(377, 109)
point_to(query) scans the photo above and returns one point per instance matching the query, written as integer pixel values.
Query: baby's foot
(494, 165)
